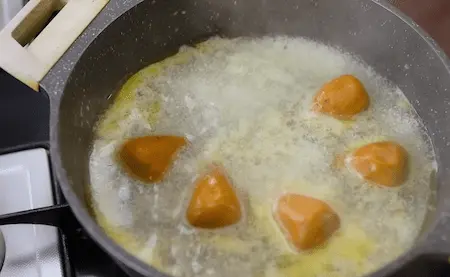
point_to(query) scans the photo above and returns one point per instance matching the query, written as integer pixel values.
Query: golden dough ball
(384, 163)
(342, 97)
(148, 158)
(306, 222)
(214, 203)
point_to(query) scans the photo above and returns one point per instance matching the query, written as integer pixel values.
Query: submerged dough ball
(214, 203)
(384, 163)
(342, 97)
(148, 158)
(306, 222)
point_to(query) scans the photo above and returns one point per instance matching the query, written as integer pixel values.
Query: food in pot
(213, 204)
(307, 222)
(342, 97)
(384, 163)
(148, 158)
(245, 104)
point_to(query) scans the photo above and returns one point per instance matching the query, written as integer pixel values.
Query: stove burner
(25, 184)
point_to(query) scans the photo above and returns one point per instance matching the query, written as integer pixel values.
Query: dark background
(431, 15)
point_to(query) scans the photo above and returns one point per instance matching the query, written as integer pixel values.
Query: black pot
(128, 35)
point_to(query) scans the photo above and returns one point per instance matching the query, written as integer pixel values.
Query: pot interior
(154, 30)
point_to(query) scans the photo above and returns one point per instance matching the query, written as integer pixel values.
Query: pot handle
(29, 48)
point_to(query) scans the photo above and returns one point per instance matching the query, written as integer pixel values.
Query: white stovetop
(31, 250)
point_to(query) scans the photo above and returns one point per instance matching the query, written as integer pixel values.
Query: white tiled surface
(31, 250)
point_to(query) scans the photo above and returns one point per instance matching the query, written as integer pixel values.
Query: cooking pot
(80, 62)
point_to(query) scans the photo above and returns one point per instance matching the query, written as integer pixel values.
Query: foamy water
(245, 103)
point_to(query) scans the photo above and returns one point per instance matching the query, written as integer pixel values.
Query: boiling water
(245, 103)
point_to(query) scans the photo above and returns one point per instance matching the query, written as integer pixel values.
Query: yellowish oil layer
(350, 245)
(126, 98)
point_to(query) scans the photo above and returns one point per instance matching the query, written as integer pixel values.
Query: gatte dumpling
(384, 163)
(148, 158)
(214, 203)
(306, 222)
(342, 97)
